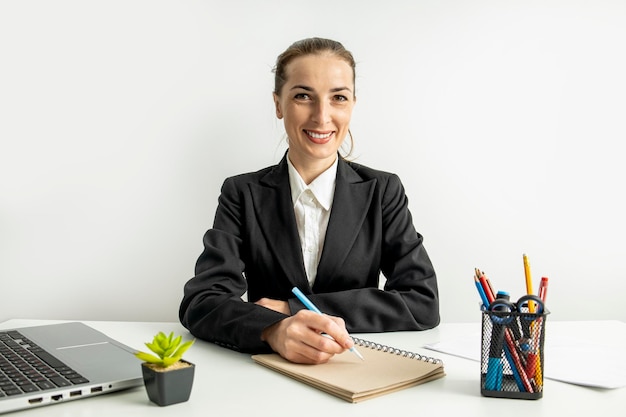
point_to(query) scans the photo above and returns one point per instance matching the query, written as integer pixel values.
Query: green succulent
(167, 350)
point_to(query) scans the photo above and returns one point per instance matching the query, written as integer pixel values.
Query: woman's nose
(321, 112)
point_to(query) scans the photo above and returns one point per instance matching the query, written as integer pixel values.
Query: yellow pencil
(529, 282)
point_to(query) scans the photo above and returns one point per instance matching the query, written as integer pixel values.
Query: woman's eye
(302, 96)
(341, 98)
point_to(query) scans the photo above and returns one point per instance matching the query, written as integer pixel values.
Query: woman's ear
(279, 112)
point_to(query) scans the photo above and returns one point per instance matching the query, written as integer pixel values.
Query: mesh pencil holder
(512, 357)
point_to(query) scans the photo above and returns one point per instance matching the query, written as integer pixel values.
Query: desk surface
(230, 383)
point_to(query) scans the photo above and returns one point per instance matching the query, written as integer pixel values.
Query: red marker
(543, 289)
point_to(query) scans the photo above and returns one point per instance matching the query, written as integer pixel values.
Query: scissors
(504, 311)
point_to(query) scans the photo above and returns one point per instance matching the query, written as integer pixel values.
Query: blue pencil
(481, 292)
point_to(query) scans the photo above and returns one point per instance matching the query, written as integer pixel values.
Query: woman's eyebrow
(301, 87)
(337, 89)
(332, 90)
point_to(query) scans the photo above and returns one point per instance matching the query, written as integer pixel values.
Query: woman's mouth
(319, 137)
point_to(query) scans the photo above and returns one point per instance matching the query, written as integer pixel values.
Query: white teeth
(318, 135)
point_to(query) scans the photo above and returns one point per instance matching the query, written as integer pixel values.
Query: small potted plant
(167, 377)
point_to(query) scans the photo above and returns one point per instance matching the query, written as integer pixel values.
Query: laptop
(54, 363)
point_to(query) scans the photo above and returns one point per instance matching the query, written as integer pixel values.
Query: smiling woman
(314, 221)
(316, 102)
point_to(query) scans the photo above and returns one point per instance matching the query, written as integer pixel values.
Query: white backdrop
(119, 121)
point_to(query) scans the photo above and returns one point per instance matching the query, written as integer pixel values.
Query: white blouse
(312, 204)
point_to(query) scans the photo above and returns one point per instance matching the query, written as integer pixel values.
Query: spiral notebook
(384, 370)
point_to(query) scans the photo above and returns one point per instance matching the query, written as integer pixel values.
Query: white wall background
(119, 121)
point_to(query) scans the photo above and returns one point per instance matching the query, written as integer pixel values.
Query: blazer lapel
(350, 206)
(274, 210)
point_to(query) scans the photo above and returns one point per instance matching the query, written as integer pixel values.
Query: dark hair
(312, 46)
(309, 46)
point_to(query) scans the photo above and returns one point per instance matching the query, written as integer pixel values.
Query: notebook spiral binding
(400, 352)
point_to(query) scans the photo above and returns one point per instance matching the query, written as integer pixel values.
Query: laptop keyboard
(26, 367)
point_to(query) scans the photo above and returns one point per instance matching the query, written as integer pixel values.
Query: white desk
(228, 383)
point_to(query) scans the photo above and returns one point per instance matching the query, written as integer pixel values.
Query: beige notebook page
(379, 370)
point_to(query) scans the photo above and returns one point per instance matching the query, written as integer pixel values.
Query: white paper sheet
(584, 353)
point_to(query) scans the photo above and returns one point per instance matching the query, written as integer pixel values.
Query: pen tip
(357, 353)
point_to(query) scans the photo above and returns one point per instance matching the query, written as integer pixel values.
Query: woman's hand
(276, 305)
(308, 337)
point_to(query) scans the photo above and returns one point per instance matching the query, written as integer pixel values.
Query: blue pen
(493, 378)
(309, 305)
(518, 378)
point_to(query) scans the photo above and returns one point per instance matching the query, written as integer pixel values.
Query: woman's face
(316, 104)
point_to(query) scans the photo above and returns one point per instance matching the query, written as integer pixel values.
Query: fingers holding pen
(336, 329)
(321, 336)
(339, 334)
(308, 337)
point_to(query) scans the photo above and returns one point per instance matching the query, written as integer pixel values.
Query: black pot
(168, 387)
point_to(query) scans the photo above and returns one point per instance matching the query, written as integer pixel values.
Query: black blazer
(254, 247)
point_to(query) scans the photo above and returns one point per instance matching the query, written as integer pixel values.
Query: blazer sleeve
(212, 307)
(405, 261)
(410, 299)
